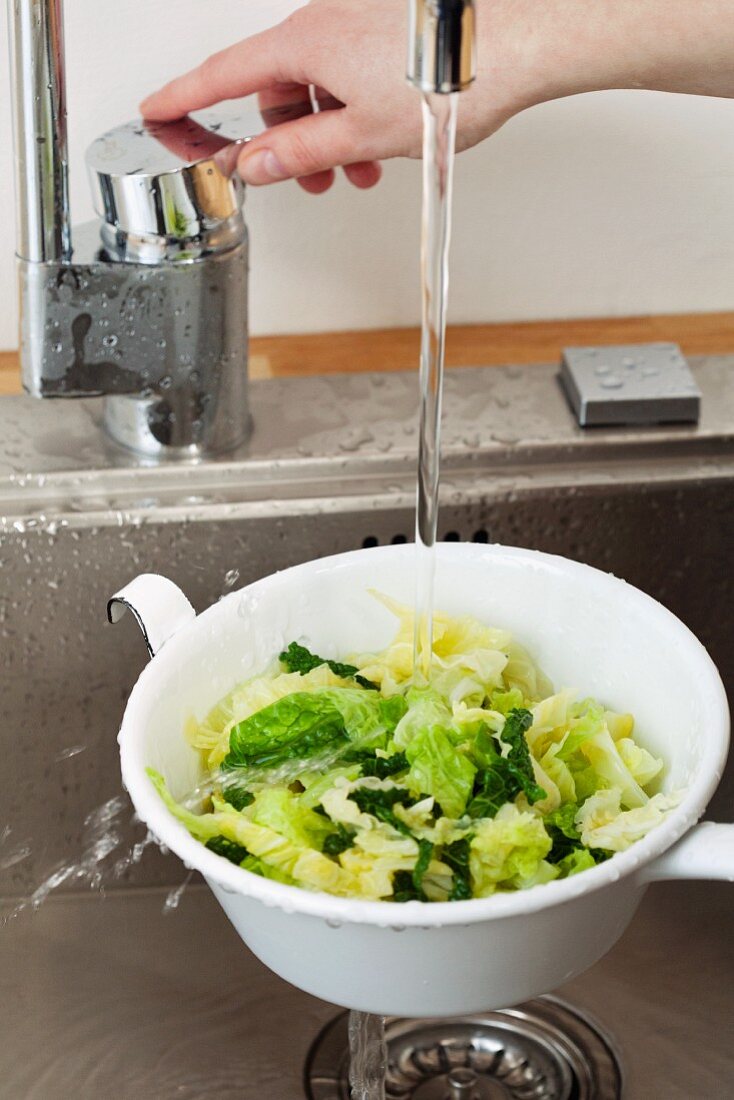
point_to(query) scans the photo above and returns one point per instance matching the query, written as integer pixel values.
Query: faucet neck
(41, 156)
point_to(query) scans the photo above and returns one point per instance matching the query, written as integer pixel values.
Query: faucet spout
(441, 45)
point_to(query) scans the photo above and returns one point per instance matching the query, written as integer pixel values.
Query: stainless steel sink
(133, 1004)
(109, 998)
(330, 466)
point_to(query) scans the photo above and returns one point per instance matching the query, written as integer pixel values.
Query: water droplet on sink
(73, 750)
(356, 439)
(173, 900)
(612, 382)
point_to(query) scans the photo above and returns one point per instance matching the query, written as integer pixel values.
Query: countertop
(107, 997)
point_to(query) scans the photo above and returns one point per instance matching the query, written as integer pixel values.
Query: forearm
(589, 45)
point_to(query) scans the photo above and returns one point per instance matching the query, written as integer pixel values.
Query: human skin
(529, 51)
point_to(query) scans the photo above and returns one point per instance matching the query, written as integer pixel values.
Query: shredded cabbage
(367, 784)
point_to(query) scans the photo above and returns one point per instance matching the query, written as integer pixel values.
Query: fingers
(284, 103)
(325, 100)
(313, 144)
(307, 150)
(318, 182)
(363, 174)
(240, 70)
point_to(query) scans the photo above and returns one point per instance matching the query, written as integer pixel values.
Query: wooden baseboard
(466, 345)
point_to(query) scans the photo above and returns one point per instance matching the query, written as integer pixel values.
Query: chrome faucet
(148, 306)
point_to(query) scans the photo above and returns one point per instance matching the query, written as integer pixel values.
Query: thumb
(301, 148)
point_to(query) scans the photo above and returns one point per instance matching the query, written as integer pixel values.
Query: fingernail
(262, 167)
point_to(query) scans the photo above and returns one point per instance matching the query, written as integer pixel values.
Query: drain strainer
(540, 1050)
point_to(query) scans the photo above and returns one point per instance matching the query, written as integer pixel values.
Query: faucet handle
(168, 189)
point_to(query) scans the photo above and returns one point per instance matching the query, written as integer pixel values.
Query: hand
(354, 53)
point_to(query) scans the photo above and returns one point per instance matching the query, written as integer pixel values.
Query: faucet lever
(168, 190)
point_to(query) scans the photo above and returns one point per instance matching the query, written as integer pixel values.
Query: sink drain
(540, 1050)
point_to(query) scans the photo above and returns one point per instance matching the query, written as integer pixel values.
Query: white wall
(615, 203)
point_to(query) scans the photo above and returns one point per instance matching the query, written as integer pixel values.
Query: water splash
(103, 836)
(258, 776)
(16, 856)
(173, 898)
(105, 830)
(100, 838)
(367, 1056)
(134, 856)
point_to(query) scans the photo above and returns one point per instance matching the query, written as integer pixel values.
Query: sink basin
(328, 468)
(185, 1011)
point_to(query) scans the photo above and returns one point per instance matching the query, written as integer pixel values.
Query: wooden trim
(487, 345)
(466, 345)
(9, 372)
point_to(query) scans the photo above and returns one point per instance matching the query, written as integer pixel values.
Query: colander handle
(158, 605)
(706, 852)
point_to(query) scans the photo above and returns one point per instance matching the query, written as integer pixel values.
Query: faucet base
(167, 344)
(171, 428)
